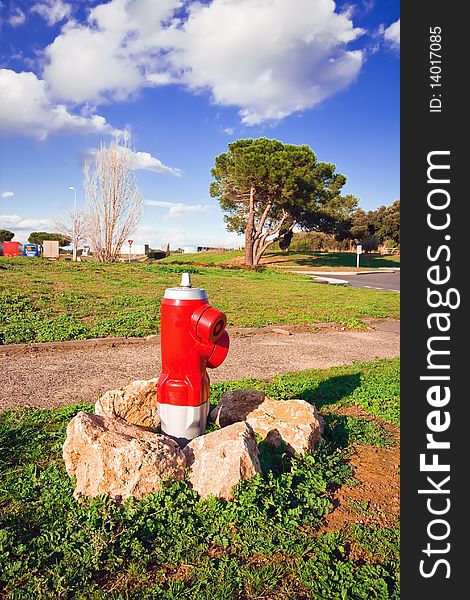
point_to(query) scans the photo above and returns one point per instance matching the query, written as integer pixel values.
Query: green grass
(173, 545)
(299, 259)
(346, 430)
(49, 301)
(206, 258)
(329, 260)
(374, 386)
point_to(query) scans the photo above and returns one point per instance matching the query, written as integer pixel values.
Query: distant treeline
(374, 229)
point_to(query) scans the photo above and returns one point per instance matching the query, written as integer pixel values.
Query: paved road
(377, 281)
(56, 377)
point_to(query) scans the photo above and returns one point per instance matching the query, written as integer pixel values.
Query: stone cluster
(119, 451)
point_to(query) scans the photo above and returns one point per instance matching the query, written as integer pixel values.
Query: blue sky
(187, 78)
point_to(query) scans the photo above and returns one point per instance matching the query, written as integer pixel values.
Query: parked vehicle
(50, 249)
(12, 248)
(32, 250)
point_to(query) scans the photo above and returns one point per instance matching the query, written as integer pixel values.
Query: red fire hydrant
(193, 337)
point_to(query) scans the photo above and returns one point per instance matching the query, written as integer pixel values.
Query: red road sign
(130, 242)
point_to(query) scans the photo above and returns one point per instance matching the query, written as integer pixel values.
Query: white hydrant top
(185, 280)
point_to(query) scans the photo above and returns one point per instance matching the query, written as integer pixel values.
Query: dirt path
(58, 376)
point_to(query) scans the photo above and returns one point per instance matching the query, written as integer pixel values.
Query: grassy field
(207, 258)
(303, 260)
(49, 301)
(172, 545)
(330, 261)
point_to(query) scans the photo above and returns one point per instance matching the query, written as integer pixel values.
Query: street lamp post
(74, 226)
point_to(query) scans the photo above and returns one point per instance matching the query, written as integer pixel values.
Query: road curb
(111, 342)
(348, 273)
(78, 344)
(330, 280)
(375, 272)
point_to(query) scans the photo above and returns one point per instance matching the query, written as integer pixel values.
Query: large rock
(234, 406)
(294, 422)
(111, 457)
(221, 459)
(136, 403)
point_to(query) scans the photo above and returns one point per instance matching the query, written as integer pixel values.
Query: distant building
(194, 249)
(209, 249)
(135, 250)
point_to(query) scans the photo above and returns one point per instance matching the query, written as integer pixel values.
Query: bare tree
(75, 226)
(114, 201)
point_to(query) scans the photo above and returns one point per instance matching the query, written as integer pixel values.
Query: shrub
(370, 243)
(156, 254)
(314, 241)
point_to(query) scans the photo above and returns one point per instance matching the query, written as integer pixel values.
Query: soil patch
(375, 500)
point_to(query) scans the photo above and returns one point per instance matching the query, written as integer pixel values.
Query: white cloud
(270, 58)
(159, 203)
(178, 209)
(17, 17)
(22, 227)
(87, 64)
(363, 7)
(392, 35)
(52, 11)
(109, 56)
(25, 108)
(179, 238)
(162, 78)
(229, 130)
(181, 210)
(141, 161)
(146, 162)
(21, 223)
(7, 194)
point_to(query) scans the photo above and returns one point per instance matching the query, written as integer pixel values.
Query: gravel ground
(68, 373)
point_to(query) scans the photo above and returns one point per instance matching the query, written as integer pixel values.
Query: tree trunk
(249, 230)
(261, 245)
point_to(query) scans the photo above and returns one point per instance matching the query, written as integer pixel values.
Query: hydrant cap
(188, 293)
(185, 291)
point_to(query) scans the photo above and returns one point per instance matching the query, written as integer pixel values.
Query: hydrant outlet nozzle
(185, 280)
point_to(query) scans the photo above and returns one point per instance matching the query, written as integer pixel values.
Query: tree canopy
(267, 188)
(374, 227)
(38, 237)
(6, 235)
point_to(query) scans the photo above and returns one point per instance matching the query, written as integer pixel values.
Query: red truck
(11, 248)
